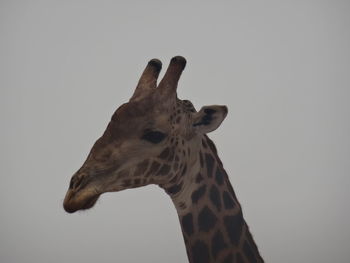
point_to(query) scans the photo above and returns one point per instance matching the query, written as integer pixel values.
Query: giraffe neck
(211, 218)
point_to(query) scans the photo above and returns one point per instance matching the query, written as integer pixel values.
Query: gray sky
(281, 67)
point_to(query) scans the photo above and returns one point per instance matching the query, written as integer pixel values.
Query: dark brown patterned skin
(214, 216)
(159, 139)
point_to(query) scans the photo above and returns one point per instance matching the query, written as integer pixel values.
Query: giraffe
(156, 138)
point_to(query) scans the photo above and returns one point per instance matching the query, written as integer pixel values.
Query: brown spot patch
(174, 189)
(206, 219)
(197, 194)
(154, 168)
(164, 153)
(199, 178)
(204, 144)
(201, 159)
(234, 225)
(174, 179)
(164, 170)
(171, 154)
(210, 164)
(137, 181)
(184, 170)
(141, 168)
(127, 183)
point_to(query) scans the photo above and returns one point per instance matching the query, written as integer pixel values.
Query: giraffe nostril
(75, 181)
(71, 183)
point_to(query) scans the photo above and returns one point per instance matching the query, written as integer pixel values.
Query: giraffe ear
(209, 118)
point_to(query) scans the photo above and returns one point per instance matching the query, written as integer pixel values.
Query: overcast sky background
(281, 67)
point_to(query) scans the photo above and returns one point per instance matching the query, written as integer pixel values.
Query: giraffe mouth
(75, 201)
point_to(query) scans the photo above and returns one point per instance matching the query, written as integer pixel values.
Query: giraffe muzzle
(81, 200)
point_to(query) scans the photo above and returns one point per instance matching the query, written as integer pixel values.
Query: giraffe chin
(74, 202)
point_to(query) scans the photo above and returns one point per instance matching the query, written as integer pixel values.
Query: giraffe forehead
(151, 110)
(131, 110)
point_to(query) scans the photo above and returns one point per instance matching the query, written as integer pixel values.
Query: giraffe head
(152, 139)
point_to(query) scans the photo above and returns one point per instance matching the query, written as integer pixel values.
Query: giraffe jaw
(75, 201)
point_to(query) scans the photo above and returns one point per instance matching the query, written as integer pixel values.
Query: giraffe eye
(153, 136)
